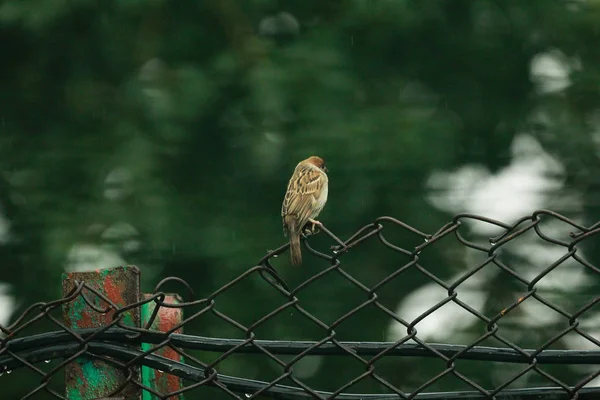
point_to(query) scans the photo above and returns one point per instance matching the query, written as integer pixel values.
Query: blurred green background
(163, 133)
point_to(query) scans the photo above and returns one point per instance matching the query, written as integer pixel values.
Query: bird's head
(317, 161)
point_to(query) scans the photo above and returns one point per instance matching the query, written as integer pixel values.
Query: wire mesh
(45, 355)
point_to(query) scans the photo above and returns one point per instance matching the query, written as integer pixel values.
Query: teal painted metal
(86, 378)
(166, 319)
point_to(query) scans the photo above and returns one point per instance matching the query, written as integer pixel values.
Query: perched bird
(305, 198)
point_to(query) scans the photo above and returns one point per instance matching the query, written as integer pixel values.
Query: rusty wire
(118, 343)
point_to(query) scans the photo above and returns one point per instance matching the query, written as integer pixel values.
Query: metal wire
(118, 343)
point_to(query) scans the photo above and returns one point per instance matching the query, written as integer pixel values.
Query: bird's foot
(315, 224)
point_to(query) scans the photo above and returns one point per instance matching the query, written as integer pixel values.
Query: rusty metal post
(166, 319)
(85, 378)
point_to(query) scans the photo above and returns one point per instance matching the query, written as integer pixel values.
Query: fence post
(85, 378)
(166, 319)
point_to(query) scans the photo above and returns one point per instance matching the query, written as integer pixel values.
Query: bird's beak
(325, 169)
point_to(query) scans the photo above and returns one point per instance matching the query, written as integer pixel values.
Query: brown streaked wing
(303, 191)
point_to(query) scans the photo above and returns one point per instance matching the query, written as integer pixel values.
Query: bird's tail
(295, 251)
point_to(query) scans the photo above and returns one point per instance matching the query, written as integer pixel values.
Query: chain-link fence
(111, 341)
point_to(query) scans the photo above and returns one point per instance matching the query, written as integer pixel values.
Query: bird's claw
(315, 224)
(313, 229)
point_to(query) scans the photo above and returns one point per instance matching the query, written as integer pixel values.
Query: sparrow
(305, 198)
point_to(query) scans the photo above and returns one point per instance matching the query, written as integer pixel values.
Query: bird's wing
(302, 194)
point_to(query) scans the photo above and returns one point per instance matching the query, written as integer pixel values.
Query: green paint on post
(73, 393)
(146, 372)
(166, 319)
(88, 378)
(128, 320)
(77, 313)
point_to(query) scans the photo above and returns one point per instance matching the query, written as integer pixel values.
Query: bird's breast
(322, 199)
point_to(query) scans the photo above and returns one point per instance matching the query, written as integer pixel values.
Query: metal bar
(243, 386)
(482, 353)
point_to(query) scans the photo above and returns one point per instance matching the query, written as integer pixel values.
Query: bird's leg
(315, 223)
(306, 231)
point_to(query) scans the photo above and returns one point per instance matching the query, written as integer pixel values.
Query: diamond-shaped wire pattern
(118, 344)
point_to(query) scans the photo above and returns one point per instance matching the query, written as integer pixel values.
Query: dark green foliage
(183, 120)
